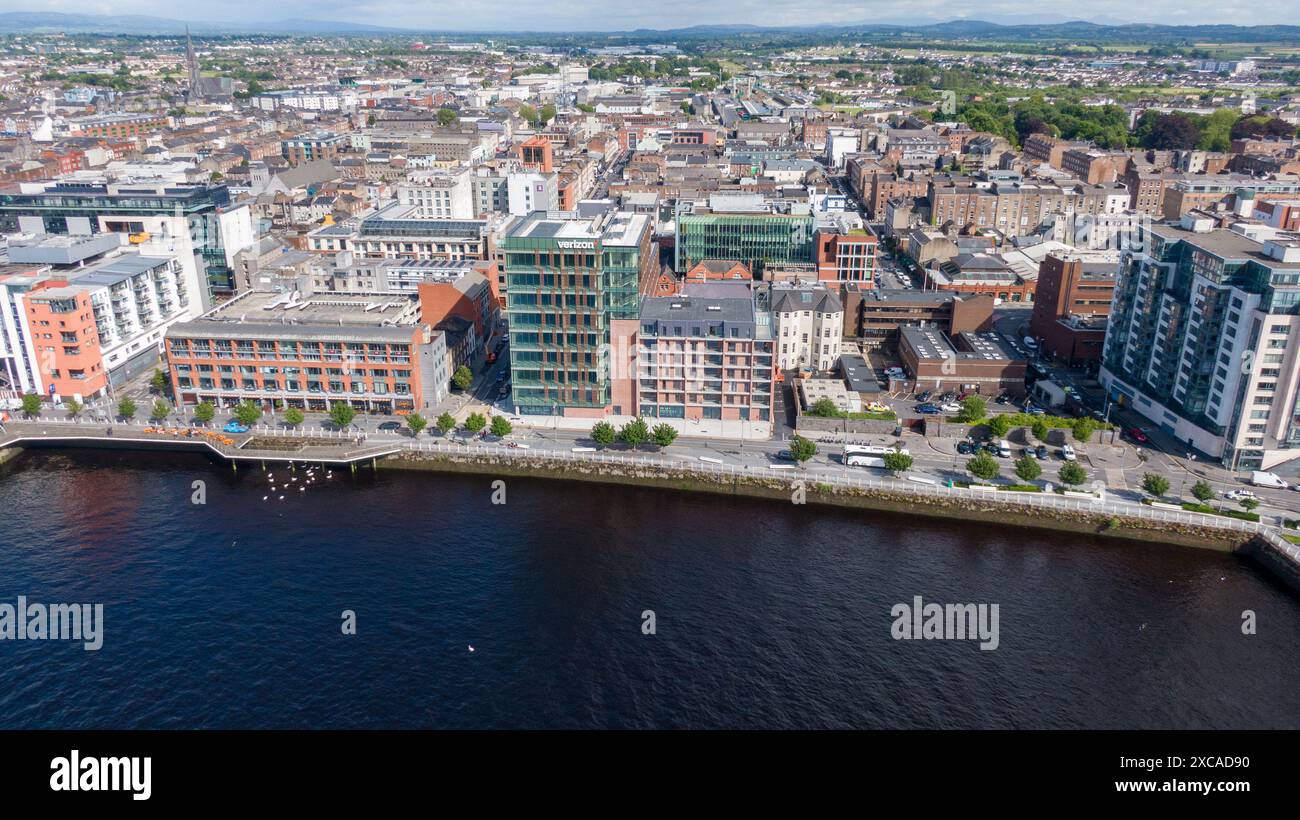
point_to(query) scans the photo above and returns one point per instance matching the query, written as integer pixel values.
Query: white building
(808, 323)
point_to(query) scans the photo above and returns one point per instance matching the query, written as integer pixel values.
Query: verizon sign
(576, 244)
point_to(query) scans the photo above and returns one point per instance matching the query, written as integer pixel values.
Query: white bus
(861, 455)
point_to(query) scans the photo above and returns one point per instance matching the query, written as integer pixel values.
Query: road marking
(1115, 478)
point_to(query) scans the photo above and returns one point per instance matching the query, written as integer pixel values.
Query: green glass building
(569, 281)
(758, 239)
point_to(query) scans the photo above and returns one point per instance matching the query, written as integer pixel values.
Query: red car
(1137, 435)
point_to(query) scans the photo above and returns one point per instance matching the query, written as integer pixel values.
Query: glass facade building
(756, 239)
(568, 281)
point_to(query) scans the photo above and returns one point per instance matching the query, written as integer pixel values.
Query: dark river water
(230, 613)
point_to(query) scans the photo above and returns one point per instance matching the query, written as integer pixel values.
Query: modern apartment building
(706, 353)
(1202, 339)
(573, 298)
(75, 330)
(808, 322)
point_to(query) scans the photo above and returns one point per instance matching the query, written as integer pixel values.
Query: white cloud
(575, 15)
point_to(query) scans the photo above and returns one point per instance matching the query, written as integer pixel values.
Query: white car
(950, 407)
(1237, 495)
(1067, 453)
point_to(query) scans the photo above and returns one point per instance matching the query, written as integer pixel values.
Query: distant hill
(969, 30)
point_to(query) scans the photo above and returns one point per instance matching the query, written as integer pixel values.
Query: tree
(1168, 132)
(527, 113)
(802, 448)
(1000, 425)
(446, 116)
(984, 466)
(463, 377)
(446, 423)
(635, 433)
(475, 422)
(824, 408)
(1202, 491)
(293, 417)
(546, 114)
(73, 407)
(1072, 473)
(1040, 430)
(31, 404)
(416, 423)
(602, 432)
(1155, 485)
(1083, 428)
(160, 411)
(1249, 504)
(1028, 469)
(342, 414)
(158, 381)
(247, 413)
(501, 426)
(126, 409)
(204, 412)
(898, 463)
(664, 434)
(973, 408)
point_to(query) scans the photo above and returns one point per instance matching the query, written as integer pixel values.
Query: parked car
(877, 407)
(951, 407)
(1041, 452)
(966, 448)
(1067, 453)
(390, 425)
(234, 427)
(1238, 495)
(1137, 435)
(785, 455)
(993, 449)
(927, 409)
(924, 395)
(1035, 411)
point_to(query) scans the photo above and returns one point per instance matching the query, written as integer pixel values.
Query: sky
(609, 15)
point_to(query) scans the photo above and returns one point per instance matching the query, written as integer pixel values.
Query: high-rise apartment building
(1202, 339)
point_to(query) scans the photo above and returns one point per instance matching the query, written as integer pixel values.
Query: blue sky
(592, 15)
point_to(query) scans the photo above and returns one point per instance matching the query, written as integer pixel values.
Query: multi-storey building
(398, 231)
(1201, 339)
(743, 227)
(184, 220)
(295, 349)
(1071, 303)
(312, 146)
(846, 256)
(446, 195)
(73, 331)
(573, 298)
(808, 322)
(705, 354)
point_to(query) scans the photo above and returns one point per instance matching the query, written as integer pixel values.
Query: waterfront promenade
(267, 444)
